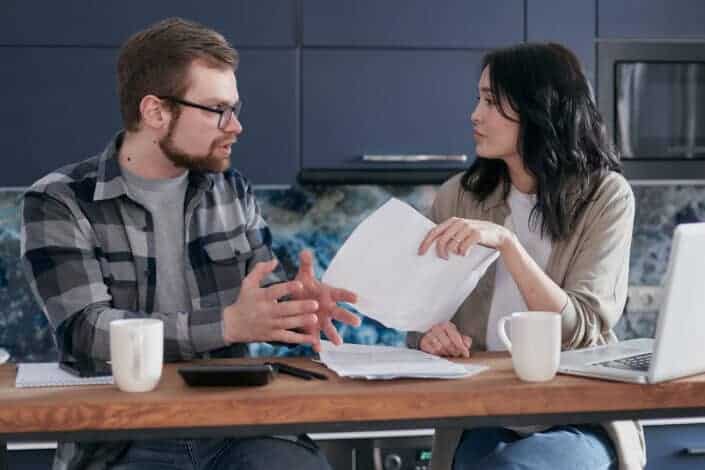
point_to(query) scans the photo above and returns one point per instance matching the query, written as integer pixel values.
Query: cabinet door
(568, 22)
(675, 447)
(267, 152)
(358, 102)
(652, 19)
(412, 23)
(63, 109)
(92, 22)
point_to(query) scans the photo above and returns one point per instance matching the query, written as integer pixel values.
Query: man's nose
(234, 126)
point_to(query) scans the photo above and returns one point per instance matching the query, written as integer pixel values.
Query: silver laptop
(678, 349)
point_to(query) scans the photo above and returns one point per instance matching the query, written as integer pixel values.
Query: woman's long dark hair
(562, 139)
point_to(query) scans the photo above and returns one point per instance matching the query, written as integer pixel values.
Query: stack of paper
(396, 286)
(387, 362)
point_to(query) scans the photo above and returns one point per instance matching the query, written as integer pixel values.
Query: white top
(506, 298)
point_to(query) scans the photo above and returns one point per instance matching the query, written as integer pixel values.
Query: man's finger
(306, 262)
(331, 332)
(288, 336)
(343, 295)
(344, 316)
(277, 291)
(305, 321)
(258, 273)
(294, 307)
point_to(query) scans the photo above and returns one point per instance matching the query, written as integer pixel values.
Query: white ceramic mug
(137, 353)
(535, 345)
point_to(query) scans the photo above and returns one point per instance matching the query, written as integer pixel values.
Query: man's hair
(563, 142)
(156, 61)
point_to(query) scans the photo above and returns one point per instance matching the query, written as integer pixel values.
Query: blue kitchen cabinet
(387, 102)
(270, 23)
(675, 447)
(65, 108)
(568, 22)
(267, 152)
(412, 23)
(657, 19)
(62, 108)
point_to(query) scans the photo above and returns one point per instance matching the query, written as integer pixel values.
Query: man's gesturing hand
(257, 315)
(327, 298)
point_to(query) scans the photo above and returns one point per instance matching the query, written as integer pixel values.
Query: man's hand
(327, 298)
(444, 339)
(257, 315)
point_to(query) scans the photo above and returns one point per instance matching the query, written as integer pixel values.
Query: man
(158, 226)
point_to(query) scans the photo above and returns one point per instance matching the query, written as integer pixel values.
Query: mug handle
(137, 339)
(502, 332)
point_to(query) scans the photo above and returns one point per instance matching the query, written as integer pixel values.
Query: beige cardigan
(591, 265)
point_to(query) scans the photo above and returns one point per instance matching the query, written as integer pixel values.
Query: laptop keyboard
(639, 362)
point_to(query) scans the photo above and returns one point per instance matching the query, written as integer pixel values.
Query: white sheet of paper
(396, 286)
(388, 362)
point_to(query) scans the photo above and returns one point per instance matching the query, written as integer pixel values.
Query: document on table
(388, 362)
(396, 286)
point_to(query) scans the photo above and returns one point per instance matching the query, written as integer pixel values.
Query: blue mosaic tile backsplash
(319, 219)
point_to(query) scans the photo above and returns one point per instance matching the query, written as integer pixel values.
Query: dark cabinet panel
(568, 22)
(674, 447)
(65, 108)
(93, 22)
(652, 19)
(412, 23)
(62, 109)
(358, 102)
(268, 149)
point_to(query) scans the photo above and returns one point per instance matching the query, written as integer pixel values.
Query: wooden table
(291, 405)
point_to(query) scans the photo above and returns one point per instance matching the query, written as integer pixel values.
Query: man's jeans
(570, 447)
(220, 454)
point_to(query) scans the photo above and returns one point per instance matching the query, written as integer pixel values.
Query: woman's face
(495, 135)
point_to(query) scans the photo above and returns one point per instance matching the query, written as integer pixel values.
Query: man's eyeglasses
(226, 114)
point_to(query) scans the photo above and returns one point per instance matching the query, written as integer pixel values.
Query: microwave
(651, 94)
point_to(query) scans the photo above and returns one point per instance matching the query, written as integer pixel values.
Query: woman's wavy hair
(562, 140)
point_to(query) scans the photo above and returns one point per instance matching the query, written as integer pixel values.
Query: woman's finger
(433, 234)
(456, 341)
(448, 241)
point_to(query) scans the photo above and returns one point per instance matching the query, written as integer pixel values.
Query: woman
(547, 193)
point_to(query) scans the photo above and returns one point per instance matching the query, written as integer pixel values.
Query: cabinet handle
(694, 451)
(413, 158)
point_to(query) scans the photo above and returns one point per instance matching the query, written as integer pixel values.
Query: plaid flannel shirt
(88, 251)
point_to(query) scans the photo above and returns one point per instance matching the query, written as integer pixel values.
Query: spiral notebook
(48, 374)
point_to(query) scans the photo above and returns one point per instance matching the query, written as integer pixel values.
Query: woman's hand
(444, 339)
(457, 235)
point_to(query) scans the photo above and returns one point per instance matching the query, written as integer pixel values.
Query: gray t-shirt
(164, 198)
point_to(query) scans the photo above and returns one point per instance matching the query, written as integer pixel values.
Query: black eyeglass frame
(222, 119)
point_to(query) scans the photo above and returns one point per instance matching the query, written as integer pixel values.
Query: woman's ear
(154, 113)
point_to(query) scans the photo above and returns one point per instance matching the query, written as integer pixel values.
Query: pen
(297, 372)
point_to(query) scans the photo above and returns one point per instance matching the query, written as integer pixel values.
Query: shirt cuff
(207, 329)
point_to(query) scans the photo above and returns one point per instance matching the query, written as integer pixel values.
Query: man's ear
(153, 112)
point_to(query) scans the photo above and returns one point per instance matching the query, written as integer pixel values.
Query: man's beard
(181, 159)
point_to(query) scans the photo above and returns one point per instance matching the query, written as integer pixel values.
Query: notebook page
(48, 374)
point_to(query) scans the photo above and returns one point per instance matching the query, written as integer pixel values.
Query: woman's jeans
(561, 447)
(223, 454)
